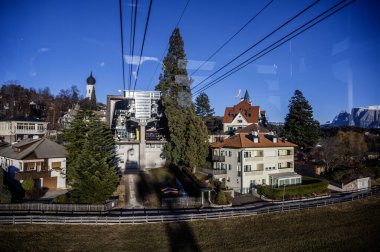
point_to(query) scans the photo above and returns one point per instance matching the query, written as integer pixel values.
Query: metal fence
(181, 202)
(56, 208)
(158, 215)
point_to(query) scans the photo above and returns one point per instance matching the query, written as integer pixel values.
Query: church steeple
(90, 87)
(246, 96)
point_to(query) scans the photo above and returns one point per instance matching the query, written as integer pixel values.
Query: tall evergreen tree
(186, 134)
(300, 126)
(91, 160)
(202, 106)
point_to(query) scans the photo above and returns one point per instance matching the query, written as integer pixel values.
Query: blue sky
(57, 43)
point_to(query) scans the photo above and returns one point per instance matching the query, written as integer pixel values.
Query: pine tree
(185, 133)
(300, 126)
(202, 106)
(91, 159)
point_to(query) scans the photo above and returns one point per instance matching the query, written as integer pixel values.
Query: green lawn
(350, 226)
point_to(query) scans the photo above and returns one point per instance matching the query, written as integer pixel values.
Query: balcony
(253, 159)
(32, 174)
(282, 157)
(216, 158)
(215, 171)
(253, 173)
(285, 169)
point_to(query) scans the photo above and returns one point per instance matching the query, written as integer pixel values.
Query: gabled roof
(252, 127)
(42, 148)
(249, 112)
(245, 140)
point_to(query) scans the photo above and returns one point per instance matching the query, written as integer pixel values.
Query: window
(240, 121)
(259, 167)
(247, 154)
(247, 168)
(40, 127)
(258, 153)
(229, 167)
(56, 165)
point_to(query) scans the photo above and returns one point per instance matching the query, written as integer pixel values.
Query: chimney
(255, 136)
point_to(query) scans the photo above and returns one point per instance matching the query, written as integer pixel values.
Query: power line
(263, 53)
(122, 42)
(257, 43)
(167, 46)
(233, 36)
(142, 47)
(130, 41)
(133, 43)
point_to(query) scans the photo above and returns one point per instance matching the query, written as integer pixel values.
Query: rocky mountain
(362, 117)
(365, 117)
(342, 119)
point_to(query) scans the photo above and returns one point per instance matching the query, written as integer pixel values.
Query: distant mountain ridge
(362, 117)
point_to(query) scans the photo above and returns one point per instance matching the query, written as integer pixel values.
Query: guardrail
(157, 215)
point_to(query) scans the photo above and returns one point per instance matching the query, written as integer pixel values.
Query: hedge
(309, 187)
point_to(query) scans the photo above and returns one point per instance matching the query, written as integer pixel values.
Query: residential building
(254, 158)
(133, 119)
(40, 159)
(16, 129)
(242, 115)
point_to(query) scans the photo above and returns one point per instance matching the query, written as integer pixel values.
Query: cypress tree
(185, 133)
(300, 126)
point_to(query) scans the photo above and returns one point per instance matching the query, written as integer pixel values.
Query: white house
(21, 128)
(40, 159)
(255, 158)
(241, 115)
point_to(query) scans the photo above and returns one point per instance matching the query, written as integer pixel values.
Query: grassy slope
(343, 227)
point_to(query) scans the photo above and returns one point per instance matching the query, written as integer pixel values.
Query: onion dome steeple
(91, 80)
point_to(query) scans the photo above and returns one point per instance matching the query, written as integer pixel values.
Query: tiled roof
(244, 140)
(42, 148)
(252, 127)
(244, 108)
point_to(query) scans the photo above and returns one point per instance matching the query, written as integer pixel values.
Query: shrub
(221, 198)
(34, 193)
(62, 199)
(28, 184)
(5, 195)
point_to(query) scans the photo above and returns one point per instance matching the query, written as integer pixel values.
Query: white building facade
(245, 160)
(18, 129)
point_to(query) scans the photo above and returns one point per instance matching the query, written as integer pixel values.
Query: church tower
(90, 87)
